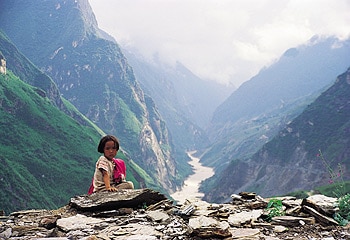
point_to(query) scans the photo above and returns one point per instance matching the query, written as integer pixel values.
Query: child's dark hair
(105, 139)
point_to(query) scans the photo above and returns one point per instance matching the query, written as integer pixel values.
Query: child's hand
(112, 189)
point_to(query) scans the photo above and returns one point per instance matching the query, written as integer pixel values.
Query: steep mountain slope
(289, 162)
(185, 101)
(41, 143)
(299, 72)
(256, 111)
(46, 156)
(30, 74)
(62, 38)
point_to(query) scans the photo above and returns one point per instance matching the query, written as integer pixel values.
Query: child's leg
(125, 185)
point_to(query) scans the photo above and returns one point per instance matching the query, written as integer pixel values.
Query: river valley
(190, 189)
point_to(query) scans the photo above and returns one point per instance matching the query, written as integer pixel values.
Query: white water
(190, 189)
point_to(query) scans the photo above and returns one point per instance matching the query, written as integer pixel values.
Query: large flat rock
(126, 198)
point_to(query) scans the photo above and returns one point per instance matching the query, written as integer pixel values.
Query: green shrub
(274, 208)
(342, 216)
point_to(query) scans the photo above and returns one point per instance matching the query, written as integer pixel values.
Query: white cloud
(223, 40)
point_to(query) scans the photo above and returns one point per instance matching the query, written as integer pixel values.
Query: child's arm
(107, 182)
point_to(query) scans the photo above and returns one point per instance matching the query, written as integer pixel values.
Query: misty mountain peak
(292, 52)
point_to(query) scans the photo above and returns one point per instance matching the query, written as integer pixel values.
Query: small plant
(274, 208)
(335, 176)
(144, 205)
(343, 215)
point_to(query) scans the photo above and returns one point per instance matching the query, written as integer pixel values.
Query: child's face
(109, 150)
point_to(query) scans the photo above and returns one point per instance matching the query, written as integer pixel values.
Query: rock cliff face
(2, 64)
(63, 39)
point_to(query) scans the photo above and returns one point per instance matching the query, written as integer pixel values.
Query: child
(110, 173)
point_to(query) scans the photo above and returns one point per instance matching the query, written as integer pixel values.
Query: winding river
(190, 189)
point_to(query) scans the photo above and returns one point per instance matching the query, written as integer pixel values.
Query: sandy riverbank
(190, 189)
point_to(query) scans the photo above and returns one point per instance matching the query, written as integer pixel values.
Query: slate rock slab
(238, 219)
(126, 198)
(291, 221)
(206, 227)
(323, 204)
(324, 220)
(77, 222)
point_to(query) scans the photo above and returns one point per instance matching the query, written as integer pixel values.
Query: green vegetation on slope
(93, 74)
(46, 156)
(23, 68)
(55, 152)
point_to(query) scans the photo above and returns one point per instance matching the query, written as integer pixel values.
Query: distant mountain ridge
(306, 69)
(192, 96)
(289, 162)
(254, 114)
(185, 101)
(260, 107)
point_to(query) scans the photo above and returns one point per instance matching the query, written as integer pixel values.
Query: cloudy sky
(228, 41)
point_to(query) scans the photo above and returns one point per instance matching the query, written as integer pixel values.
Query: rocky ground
(145, 214)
